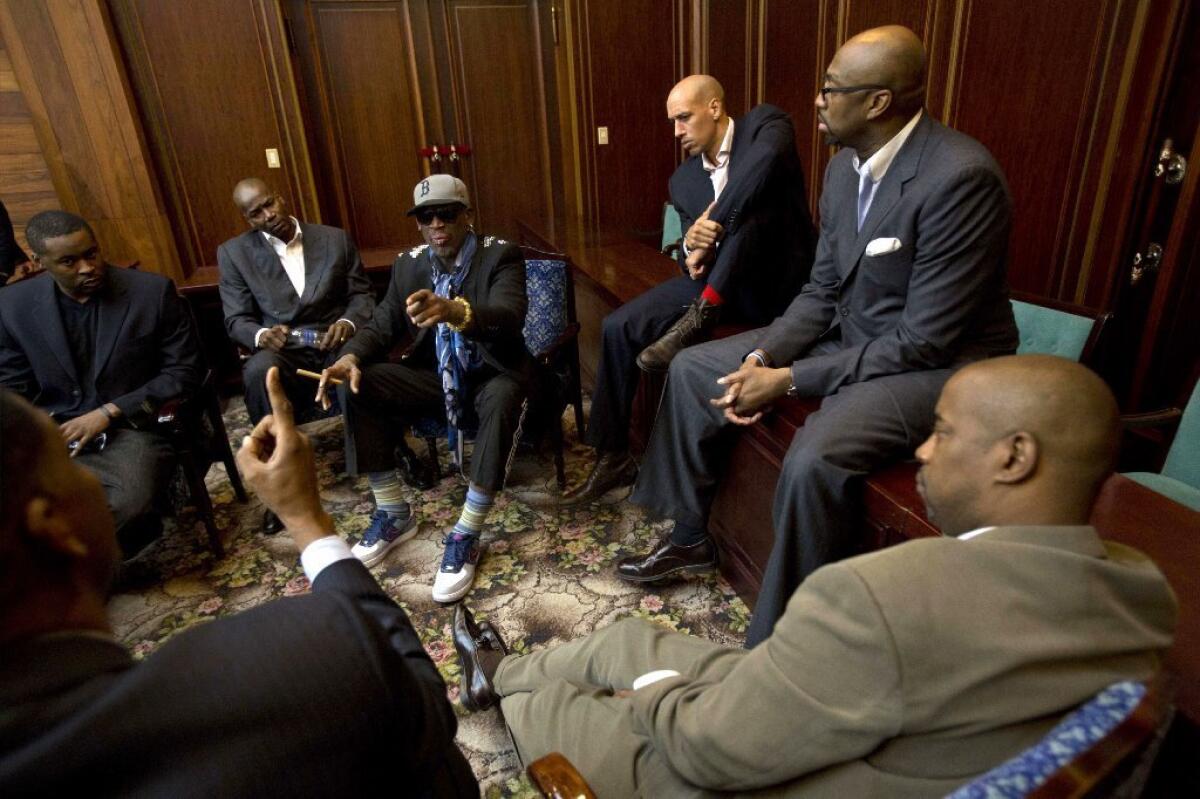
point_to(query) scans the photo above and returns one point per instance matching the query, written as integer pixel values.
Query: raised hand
(276, 460)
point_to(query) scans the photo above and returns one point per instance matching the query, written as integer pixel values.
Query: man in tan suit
(904, 672)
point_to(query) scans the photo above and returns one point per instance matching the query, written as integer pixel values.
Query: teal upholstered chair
(1049, 327)
(1180, 476)
(672, 230)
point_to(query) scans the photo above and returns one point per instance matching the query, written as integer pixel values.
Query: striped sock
(389, 493)
(474, 513)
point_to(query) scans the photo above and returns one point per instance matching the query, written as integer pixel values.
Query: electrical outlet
(272, 158)
(602, 135)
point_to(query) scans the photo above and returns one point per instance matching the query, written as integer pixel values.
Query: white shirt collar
(722, 154)
(975, 533)
(279, 243)
(877, 165)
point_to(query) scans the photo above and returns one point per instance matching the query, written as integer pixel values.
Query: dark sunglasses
(448, 214)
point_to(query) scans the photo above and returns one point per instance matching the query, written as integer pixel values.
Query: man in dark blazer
(747, 250)
(908, 284)
(329, 694)
(100, 349)
(458, 304)
(281, 277)
(905, 672)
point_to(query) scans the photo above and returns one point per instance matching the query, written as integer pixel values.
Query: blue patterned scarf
(456, 354)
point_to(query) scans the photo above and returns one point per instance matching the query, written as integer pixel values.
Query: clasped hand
(701, 240)
(749, 390)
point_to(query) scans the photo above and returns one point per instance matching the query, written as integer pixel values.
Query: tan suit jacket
(904, 672)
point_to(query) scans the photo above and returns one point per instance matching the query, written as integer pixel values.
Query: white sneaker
(457, 572)
(384, 533)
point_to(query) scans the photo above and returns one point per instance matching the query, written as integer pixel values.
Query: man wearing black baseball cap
(459, 299)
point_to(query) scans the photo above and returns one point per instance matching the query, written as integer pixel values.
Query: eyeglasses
(825, 91)
(448, 214)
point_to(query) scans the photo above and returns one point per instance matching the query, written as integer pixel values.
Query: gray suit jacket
(940, 300)
(256, 292)
(908, 671)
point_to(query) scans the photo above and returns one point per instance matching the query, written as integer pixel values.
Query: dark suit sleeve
(11, 253)
(502, 312)
(180, 369)
(962, 235)
(811, 313)
(16, 373)
(243, 317)
(409, 672)
(772, 141)
(388, 322)
(360, 299)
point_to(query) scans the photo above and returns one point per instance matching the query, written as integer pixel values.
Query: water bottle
(306, 336)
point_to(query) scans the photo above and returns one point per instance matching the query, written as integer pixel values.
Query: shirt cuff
(322, 553)
(353, 326)
(651, 677)
(258, 336)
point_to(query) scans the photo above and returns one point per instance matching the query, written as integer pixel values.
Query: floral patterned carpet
(546, 575)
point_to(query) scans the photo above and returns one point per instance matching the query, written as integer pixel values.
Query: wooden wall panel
(631, 56)
(25, 186)
(212, 105)
(497, 43)
(730, 41)
(74, 84)
(366, 55)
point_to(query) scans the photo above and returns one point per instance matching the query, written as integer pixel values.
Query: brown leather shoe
(668, 560)
(480, 650)
(694, 326)
(612, 469)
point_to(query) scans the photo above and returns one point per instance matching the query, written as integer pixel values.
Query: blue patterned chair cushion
(1074, 735)
(546, 319)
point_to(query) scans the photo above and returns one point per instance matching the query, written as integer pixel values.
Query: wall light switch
(602, 135)
(272, 158)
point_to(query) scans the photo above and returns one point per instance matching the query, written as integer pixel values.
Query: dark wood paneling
(212, 105)
(367, 69)
(501, 111)
(25, 186)
(729, 50)
(625, 89)
(67, 64)
(791, 76)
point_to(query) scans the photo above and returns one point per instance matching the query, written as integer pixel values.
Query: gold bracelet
(466, 322)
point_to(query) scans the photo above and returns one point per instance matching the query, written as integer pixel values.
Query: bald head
(263, 208)
(1026, 439)
(248, 189)
(696, 107)
(891, 56)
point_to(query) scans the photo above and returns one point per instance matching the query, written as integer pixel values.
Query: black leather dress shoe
(612, 469)
(668, 560)
(271, 524)
(480, 650)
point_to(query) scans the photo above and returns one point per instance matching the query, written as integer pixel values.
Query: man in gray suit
(282, 280)
(905, 672)
(908, 284)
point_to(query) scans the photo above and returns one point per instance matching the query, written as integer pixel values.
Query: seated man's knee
(254, 370)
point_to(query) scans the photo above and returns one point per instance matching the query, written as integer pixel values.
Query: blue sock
(688, 535)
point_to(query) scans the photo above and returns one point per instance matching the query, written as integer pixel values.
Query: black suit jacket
(495, 288)
(769, 236)
(940, 299)
(256, 292)
(329, 694)
(146, 348)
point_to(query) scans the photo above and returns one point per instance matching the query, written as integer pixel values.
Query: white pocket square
(882, 246)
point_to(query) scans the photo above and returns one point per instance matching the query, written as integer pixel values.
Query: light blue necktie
(866, 187)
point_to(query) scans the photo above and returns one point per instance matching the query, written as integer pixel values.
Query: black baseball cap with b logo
(439, 190)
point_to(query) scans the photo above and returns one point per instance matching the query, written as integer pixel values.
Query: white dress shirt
(875, 167)
(323, 553)
(718, 172)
